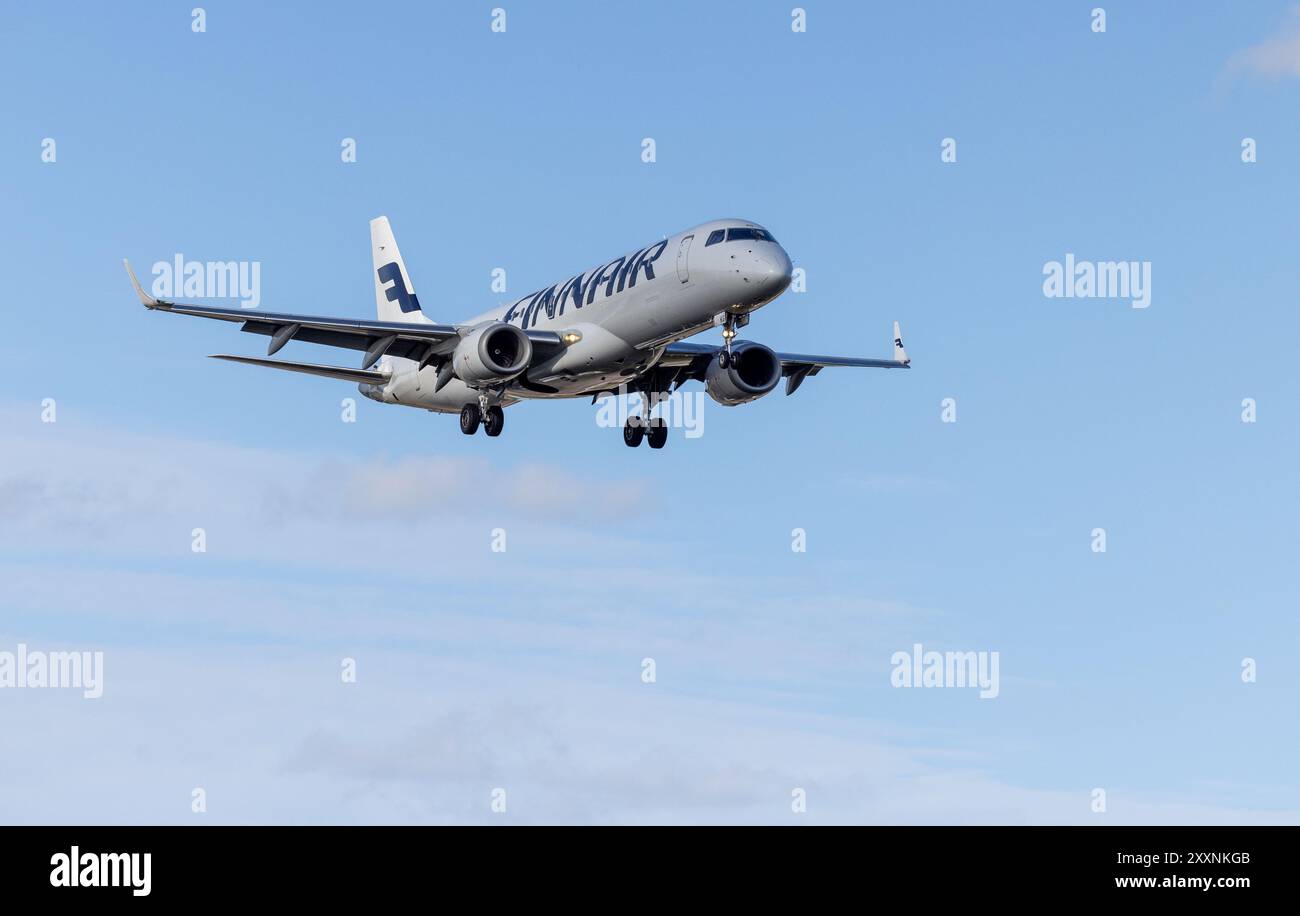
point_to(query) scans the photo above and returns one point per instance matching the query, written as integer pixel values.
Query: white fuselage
(625, 311)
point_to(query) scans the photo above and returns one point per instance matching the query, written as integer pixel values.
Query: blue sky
(522, 670)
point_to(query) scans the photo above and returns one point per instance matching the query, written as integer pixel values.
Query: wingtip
(146, 300)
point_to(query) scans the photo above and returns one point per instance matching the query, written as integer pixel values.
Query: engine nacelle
(752, 372)
(494, 352)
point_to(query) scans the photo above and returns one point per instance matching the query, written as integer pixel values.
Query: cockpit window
(714, 237)
(756, 235)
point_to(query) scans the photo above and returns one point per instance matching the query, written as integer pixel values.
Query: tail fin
(900, 355)
(395, 296)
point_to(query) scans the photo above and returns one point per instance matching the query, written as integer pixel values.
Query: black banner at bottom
(336, 864)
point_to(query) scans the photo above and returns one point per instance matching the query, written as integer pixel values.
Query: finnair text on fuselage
(583, 289)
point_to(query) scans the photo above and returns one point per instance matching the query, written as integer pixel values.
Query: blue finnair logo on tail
(405, 299)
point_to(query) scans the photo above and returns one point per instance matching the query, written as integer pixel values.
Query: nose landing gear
(730, 323)
(728, 335)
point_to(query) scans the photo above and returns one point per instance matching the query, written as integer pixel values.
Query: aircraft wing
(424, 342)
(691, 361)
(363, 376)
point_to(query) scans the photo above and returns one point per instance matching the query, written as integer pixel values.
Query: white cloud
(475, 670)
(1276, 56)
(880, 482)
(274, 737)
(72, 486)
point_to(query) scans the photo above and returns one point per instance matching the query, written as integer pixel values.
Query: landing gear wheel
(724, 358)
(469, 417)
(633, 433)
(657, 435)
(495, 421)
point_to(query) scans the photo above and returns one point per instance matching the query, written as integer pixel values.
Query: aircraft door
(683, 256)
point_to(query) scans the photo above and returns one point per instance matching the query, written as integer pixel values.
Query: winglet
(899, 353)
(146, 300)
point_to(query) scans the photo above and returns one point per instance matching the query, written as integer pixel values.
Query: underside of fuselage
(412, 388)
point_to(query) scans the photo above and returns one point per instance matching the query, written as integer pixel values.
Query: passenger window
(714, 237)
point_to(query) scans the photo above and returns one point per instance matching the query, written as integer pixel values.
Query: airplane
(621, 325)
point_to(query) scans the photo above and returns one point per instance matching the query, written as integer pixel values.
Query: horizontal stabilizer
(361, 376)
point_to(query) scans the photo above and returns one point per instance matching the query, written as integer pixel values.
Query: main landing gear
(635, 429)
(642, 426)
(493, 418)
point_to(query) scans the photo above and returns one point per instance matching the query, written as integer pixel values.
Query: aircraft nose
(775, 271)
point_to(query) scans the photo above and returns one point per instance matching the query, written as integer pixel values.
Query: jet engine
(752, 372)
(494, 352)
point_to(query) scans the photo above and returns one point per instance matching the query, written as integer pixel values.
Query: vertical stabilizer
(900, 354)
(395, 298)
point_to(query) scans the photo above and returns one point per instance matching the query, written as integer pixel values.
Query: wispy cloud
(428, 488)
(1276, 56)
(880, 482)
(64, 485)
(274, 737)
(478, 670)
